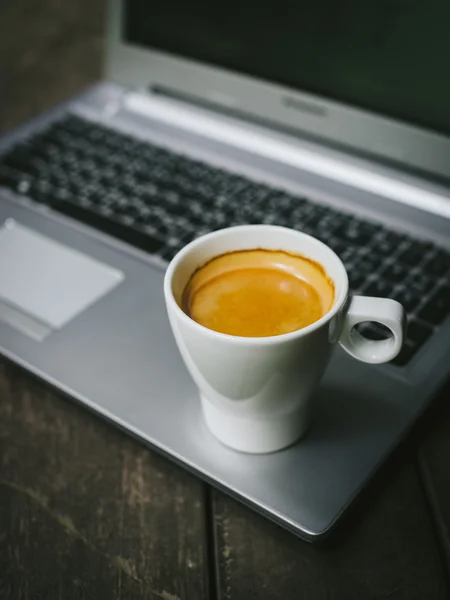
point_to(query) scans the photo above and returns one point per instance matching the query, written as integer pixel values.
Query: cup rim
(250, 341)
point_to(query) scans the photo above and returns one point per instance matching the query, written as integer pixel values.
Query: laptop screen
(386, 56)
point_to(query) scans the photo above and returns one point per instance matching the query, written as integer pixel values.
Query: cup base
(255, 436)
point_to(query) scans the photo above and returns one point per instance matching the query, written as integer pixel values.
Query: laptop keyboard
(159, 200)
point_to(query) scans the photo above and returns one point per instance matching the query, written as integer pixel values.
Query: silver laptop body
(84, 310)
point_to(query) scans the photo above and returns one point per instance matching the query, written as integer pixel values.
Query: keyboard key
(407, 298)
(394, 238)
(437, 307)
(438, 263)
(353, 234)
(414, 254)
(368, 264)
(396, 272)
(356, 280)
(168, 252)
(10, 178)
(406, 354)
(418, 332)
(384, 247)
(369, 228)
(337, 245)
(421, 283)
(379, 288)
(18, 160)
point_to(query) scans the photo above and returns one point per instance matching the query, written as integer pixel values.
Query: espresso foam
(258, 293)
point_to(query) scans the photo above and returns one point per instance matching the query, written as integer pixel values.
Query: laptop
(328, 118)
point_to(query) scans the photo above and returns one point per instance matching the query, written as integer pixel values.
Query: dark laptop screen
(387, 56)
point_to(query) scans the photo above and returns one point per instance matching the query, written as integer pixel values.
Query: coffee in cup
(257, 384)
(258, 293)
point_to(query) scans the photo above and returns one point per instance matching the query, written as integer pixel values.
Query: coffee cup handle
(380, 310)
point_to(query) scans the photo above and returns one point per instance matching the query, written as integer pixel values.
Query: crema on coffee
(258, 293)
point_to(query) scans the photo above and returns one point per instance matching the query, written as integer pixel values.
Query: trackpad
(47, 280)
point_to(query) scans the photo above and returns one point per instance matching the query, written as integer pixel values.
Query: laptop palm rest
(45, 284)
(119, 358)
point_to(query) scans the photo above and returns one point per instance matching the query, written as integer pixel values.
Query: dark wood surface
(87, 513)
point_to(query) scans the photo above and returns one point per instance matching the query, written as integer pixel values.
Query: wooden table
(87, 513)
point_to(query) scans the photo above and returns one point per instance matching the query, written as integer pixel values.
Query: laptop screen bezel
(297, 112)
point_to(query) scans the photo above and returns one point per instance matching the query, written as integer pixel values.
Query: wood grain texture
(49, 51)
(434, 465)
(85, 512)
(385, 550)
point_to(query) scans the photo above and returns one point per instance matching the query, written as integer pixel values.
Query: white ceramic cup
(255, 392)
